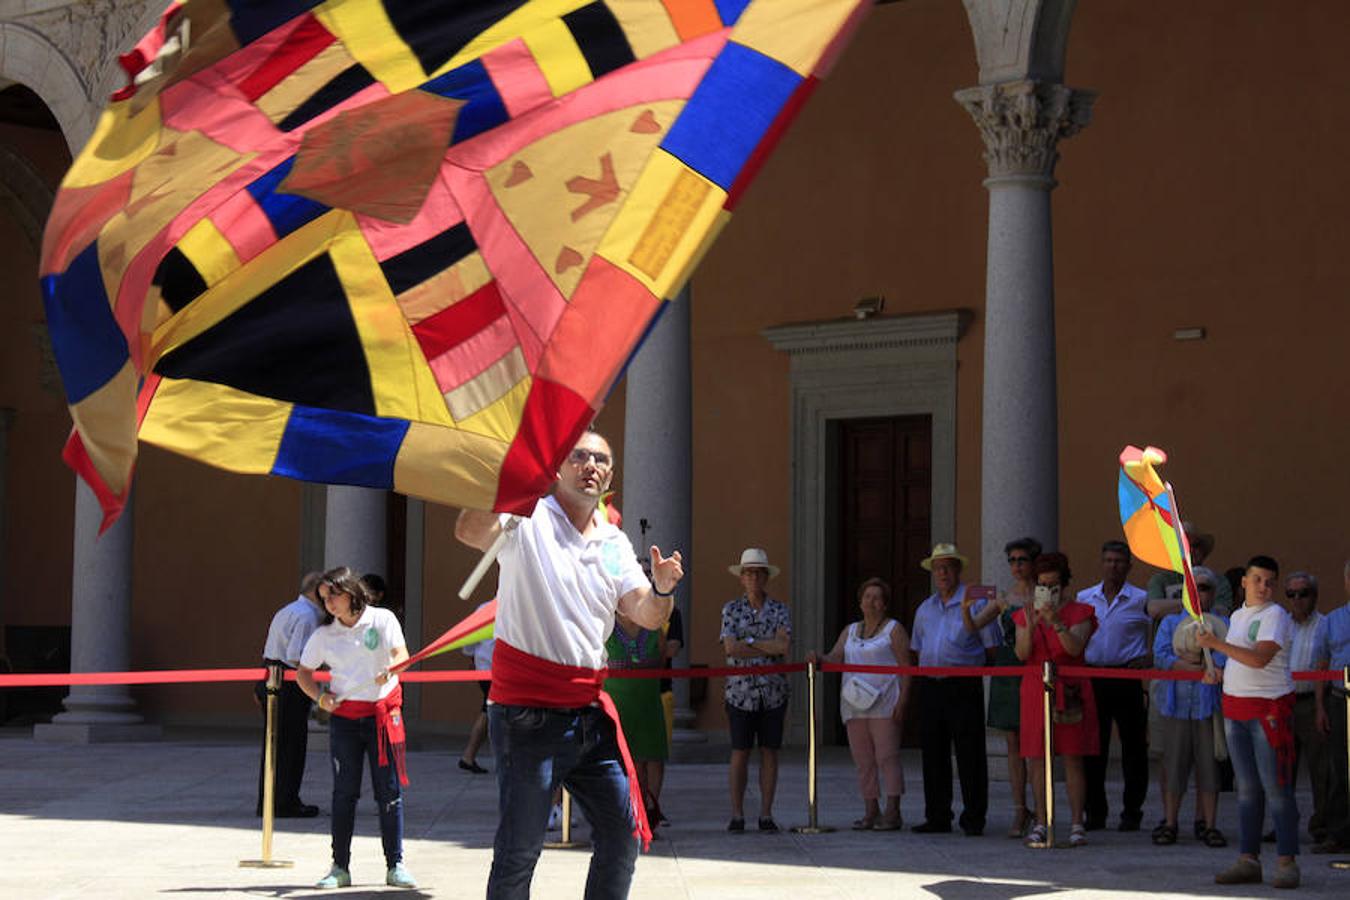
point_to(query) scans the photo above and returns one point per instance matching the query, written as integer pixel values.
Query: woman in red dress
(1056, 627)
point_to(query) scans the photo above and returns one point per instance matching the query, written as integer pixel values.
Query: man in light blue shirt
(1120, 641)
(952, 708)
(1333, 651)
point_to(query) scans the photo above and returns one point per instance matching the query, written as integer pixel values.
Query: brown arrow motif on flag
(601, 191)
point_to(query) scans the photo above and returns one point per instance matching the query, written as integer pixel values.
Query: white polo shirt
(557, 590)
(357, 654)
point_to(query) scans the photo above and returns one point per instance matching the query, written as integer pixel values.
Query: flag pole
(1187, 574)
(505, 522)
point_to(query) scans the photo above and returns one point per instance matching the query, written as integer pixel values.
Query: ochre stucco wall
(1208, 191)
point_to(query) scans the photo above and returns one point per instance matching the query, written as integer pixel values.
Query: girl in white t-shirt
(1258, 710)
(359, 643)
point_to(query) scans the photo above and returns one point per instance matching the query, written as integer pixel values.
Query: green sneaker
(337, 877)
(399, 877)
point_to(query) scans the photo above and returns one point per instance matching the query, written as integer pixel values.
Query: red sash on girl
(1277, 721)
(520, 679)
(388, 713)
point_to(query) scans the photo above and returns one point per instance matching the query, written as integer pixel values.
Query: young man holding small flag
(1258, 709)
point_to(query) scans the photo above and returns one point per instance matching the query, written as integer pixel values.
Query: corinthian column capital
(1022, 122)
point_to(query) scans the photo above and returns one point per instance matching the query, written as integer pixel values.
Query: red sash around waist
(1277, 721)
(388, 713)
(521, 679)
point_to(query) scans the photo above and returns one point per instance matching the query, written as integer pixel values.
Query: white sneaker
(555, 817)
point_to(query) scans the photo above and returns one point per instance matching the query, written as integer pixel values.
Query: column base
(96, 732)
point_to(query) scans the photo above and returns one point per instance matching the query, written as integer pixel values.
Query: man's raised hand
(666, 570)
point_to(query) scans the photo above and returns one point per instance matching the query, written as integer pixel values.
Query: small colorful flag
(1152, 522)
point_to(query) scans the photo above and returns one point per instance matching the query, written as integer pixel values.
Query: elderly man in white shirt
(1122, 640)
(290, 628)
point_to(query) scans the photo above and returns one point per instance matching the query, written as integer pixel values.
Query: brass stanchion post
(273, 688)
(812, 825)
(565, 842)
(1344, 864)
(1047, 705)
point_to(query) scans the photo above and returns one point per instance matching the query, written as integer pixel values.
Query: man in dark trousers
(952, 709)
(1123, 640)
(291, 627)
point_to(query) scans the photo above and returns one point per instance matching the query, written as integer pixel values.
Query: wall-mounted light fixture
(868, 307)
(1189, 334)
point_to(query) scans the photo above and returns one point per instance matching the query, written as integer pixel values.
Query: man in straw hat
(952, 709)
(756, 631)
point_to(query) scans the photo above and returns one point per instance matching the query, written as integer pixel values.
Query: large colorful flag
(405, 244)
(1152, 522)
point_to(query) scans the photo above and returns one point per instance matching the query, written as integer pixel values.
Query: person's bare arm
(1022, 644)
(900, 649)
(836, 654)
(774, 646)
(989, 612)
(304, 676)
(644, 605)
(477, 528)
(1257, 657)
(1159, 607)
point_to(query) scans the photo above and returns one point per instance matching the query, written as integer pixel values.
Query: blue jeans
(1257, 775)
(537, 749)
(350, 743)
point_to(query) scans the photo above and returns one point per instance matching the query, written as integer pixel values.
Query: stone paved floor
(172, 819)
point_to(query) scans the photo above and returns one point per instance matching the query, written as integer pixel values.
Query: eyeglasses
(1018, 560)
(1301, 594)
(580, 456)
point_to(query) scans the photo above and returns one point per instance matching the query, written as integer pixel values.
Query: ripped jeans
(351, 742)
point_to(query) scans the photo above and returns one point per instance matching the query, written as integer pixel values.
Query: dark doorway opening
(882, 524)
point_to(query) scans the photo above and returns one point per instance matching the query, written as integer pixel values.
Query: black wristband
(657, 591)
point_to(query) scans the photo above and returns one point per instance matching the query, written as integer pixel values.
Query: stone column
(100, 631)
(657, 467)
(356, 532)
(1021, 123)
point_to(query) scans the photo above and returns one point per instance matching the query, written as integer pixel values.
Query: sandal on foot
(866, 823)
(1214, 838)
(1165, 835)
(1038, 837)
(736, 824)
(889, 823)
(766, 823)
(1077, 836)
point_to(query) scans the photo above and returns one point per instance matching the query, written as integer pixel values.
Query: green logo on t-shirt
(1253, 630)
(372, 639)
(612, 559)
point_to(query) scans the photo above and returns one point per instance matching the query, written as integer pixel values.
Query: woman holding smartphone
(360, 643)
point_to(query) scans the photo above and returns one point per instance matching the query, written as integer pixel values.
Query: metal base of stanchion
(266, 864)
(811, 829)
(566, 845)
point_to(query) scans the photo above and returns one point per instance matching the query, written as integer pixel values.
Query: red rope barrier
(200, 676)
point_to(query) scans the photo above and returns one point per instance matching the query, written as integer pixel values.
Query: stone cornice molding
(852, 335)
(1022, 122)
